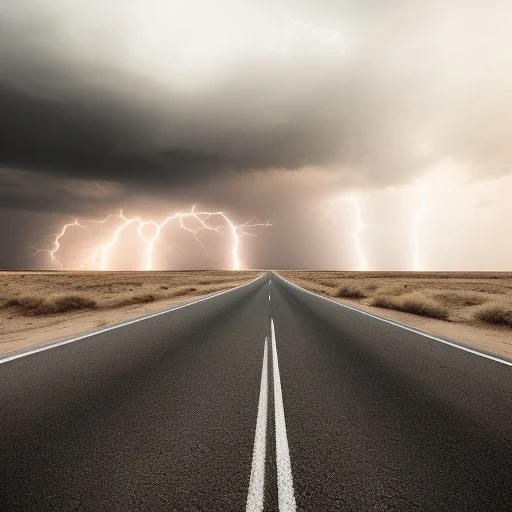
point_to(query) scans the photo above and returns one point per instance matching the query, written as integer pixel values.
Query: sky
(372, 135)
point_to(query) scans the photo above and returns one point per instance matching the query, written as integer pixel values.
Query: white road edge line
(286, 497)
(406, 327)
(117, 326)
(255, 496)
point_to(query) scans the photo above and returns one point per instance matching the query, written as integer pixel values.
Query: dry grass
(495, 313)
(461, 298)
(350, 292)
(54, 293)
(413, 303)
(50, 305)
(138, 298)
(474, 298)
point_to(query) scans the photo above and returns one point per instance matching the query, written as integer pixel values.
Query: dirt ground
(471, 308)
(41, 307)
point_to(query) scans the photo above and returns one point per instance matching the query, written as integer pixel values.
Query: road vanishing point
(264, 397)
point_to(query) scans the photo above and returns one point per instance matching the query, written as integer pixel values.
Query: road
(266, 397)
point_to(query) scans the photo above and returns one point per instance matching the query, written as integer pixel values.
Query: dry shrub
(141, 298)
(414, 303)
(25, 305)
(66, 303)
(183, 290)
(495, 313)
(460, 298)
(382, 301)
(349, 292)
(394, 289)
(52, 304)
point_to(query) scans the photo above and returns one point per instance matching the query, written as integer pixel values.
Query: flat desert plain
(472, 308)
(41, 307)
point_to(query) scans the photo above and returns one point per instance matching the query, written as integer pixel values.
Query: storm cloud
(213, 101)
(427, 82)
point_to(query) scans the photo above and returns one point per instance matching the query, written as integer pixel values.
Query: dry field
(471, 307)
(37, 307)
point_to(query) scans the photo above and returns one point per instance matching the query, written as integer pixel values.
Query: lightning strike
(322, 35)
(149, 233)
(56, 244)
(328, 209)
(416, 225)
(359, 226)
(358, 229)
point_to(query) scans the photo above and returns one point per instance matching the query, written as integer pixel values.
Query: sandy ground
(112, 292)
(460, 326)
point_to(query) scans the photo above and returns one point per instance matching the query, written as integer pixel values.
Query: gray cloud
(23, 190)
(196, 102)
(420, 82)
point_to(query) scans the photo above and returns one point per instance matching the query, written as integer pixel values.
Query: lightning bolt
(358, 230)
(56, 244)
(359, 226)
(416, 225)
(322, 35)
(150, 231)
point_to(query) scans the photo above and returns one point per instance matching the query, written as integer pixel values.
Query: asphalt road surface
(265, 397)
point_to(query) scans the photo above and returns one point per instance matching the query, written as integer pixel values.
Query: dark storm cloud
(36, 192)
(90, 131)
(411, 90)
(91, 136)
(67, 115)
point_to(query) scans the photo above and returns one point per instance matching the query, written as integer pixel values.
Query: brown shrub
(65, 303)
(142, 298)
(461, 298)
(25, 305)
(183, 290)
(349, 292)
(382, 301)
(495, 313)
(412, 303)
(33, 305)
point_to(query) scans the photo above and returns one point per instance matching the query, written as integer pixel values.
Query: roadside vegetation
(495, 313)
(479, 298)
(54, 293)
(414, 303)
